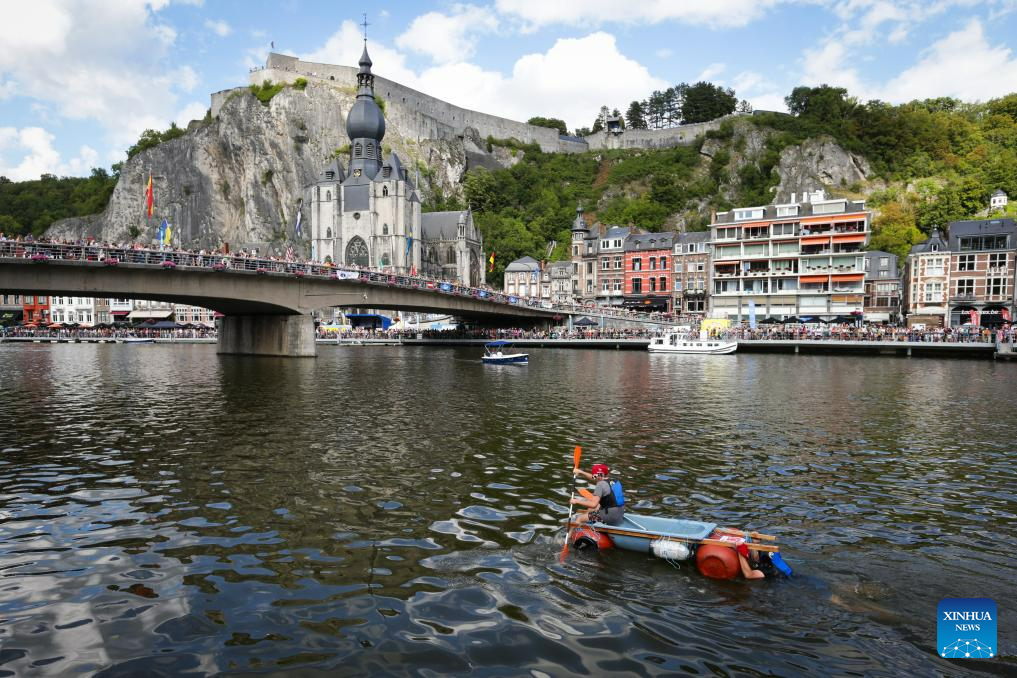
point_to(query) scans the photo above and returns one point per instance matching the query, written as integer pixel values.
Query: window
(589, 286)
(575, 250)
(787, 211)
(617, 285)
(637, 264)
(589, 268)
(677, 267)
(783, 229)
(933, 292)
(966, 262)
(384, 229)
(831, 207)
(606, 286)
(637, 286)
(996, 286)
(604, 244)
(589, 248)
(605, 264)
(934, 266)
(699, 284)
(677, 285)
(965, 287)
(617, 263)
(653, 284)
(700, 266)
(617, 243)
(888, 288)
(663, 283)
(751, 213)
(358, 150)
(663, 263)
(727, 234)
(653, 263)
(982, 242)
(884, 262)
(866, 264)
(997, 260)
(384, 191)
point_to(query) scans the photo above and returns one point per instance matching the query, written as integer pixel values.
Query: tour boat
(137, 340)
(494, 353)
(683, 341)
(676, 539)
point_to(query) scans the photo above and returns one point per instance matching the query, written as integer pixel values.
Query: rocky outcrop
(239, 179)
(819, 163)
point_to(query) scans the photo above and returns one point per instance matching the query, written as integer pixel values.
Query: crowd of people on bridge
(109, 253)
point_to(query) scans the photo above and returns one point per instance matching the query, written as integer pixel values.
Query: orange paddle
(568, 529)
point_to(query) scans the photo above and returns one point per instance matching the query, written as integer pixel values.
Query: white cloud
(220, 28)
(709, 13)
(34, 145)
(448, 38)
(664, 53)
(570, 81)
(962, 65)
(93, 59)
(711, 72)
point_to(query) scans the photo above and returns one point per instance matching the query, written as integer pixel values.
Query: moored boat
(684, 341)
(714, 548)
(497, 353)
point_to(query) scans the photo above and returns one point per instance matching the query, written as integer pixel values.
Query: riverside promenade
(984, 350)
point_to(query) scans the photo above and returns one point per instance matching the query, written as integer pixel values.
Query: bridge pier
(269, 335)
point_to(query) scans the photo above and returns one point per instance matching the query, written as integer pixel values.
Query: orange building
(648, 271)
(35, 309)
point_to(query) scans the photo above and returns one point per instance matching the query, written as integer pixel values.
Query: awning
(586, 322)
(815, 239)
(119, 312)
(812, 279)
(848, 277)
(145, 315)
(848, 237)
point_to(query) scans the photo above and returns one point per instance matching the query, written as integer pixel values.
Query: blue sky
(80, 79)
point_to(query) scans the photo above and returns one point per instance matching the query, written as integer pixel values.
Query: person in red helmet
(608, 503)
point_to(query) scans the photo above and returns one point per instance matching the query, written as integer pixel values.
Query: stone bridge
(267, 304)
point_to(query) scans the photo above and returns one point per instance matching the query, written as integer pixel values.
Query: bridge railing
(172, 259)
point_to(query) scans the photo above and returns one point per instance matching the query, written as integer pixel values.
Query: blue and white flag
(409, 246)
(752, 314)
(161, 234)
(299, 233)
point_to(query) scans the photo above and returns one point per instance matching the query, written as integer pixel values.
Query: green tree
(895, 230)
(705, 101)
(635, 115)
(553, 123)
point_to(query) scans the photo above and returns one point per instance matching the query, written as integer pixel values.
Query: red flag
(490, 263)
(149, 196)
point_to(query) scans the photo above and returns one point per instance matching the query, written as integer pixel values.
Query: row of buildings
(804, 260)
(43, 311)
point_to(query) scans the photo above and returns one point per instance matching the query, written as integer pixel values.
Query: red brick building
(647, 279)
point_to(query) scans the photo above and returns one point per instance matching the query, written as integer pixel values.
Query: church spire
(365, 124)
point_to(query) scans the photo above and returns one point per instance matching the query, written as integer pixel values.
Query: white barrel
(670, 550)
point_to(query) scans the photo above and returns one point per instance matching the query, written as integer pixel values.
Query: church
(370, 215)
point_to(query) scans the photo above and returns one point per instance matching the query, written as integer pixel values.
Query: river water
(396, 511)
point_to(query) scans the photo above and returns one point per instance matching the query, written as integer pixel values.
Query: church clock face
(356, 172)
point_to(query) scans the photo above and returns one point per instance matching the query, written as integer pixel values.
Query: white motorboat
(683, 341)
(496, 353)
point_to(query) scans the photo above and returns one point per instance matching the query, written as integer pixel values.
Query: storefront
(649, 303)
(995, 315)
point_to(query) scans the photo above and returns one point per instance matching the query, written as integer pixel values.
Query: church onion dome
(365, 120)
(365, 61)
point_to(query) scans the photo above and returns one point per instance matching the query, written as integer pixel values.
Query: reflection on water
(387, 510)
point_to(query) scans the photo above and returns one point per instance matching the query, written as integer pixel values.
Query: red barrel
(588, 539)
(717, 562)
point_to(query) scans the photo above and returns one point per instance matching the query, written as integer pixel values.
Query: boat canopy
(500, 342)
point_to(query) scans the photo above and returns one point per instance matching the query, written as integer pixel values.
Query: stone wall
(653, 138)
(415, 113)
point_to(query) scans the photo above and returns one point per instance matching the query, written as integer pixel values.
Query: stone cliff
(239, 178)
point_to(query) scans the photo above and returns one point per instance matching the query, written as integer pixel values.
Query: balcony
(963, 297)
